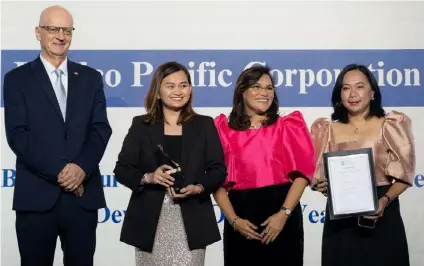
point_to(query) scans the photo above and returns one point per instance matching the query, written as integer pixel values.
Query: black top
(172, 147)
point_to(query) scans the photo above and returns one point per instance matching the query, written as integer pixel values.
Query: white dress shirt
(53, 77)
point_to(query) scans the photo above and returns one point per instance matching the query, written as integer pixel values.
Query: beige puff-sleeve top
(393, 150)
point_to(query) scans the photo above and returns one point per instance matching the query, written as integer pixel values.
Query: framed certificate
(351, 190)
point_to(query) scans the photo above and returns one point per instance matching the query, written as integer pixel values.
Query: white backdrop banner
(120, 43)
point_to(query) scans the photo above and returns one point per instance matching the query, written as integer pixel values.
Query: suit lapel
(190, 133)
(156, 132)
(44, 80)
(74, 85)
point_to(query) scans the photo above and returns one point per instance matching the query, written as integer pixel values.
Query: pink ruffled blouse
(269, 155)
(393, 150)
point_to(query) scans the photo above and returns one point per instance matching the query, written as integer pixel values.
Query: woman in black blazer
(171, 148)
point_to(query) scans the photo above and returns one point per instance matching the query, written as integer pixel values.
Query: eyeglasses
(55, 30)
(256, 88)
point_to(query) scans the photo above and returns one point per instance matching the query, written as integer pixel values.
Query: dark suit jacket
(202, 162)
(44, 143)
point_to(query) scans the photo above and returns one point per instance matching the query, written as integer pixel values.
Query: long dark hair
(153, 104)
(238, 118)
(340, 112)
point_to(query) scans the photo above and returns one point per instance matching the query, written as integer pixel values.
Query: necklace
(356, 128)
(256, 126)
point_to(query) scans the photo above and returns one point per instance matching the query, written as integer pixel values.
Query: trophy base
(177, 190)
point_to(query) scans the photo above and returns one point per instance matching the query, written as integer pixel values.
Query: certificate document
(351, 183)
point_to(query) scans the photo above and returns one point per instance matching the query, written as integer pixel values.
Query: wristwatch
(143, 179)
(143, 182)
(287, 211)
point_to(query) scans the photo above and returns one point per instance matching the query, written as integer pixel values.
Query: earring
(372, 99)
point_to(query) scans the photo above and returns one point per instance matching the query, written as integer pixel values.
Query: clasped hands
(162, 176)
(71, 178)
(274, 225)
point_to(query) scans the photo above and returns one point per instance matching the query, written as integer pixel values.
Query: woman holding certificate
(270, 161)
(171, 160)
(359, 121)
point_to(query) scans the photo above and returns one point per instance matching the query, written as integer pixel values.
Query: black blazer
(202, 163)
(44, 142)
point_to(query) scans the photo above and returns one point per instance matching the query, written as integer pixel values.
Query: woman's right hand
(162, 176)
(321, 186)
(247, 229)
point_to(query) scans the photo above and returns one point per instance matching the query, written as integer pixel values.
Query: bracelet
(144, 178)
(388, 199)
(233, 223)
(201, 188)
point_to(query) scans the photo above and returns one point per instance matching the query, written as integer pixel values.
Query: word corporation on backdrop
(302, 77)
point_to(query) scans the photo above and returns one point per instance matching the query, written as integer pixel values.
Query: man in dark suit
(56, 124)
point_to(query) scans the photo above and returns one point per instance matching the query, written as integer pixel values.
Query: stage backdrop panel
(305, 44)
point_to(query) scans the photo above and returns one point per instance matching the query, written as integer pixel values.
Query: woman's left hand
(382, 203)
(274, 224)
(185, 192)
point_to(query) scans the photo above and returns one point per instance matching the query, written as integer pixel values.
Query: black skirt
(346, 244)
(256, 205)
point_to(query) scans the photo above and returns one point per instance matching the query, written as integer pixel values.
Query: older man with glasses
(57, 126)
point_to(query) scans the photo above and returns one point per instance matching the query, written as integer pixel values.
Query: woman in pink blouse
(359, 121)
(270, 161)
